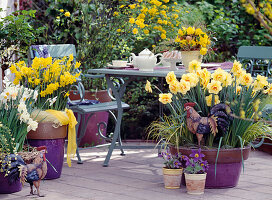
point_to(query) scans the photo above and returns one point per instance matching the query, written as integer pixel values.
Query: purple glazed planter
(55, 155)
(6, 188)
(228, 168)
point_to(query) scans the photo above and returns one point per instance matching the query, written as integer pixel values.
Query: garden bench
(256, 60)
(82, 107)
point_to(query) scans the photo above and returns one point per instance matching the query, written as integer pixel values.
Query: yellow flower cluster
(190, 39)
(151, 16)
(52, 77)
(213, 84)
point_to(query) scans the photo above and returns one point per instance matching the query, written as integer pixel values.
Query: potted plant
(195, 173)
(218, 112)
(15, 121)
(172, 171)
(53, 80)
(192, 42)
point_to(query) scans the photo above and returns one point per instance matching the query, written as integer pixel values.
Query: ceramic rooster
(217, 119)
(32, 173)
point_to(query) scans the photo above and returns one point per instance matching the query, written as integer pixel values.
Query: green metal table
(118, 90)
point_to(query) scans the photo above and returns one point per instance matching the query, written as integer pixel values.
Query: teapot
(146, 60)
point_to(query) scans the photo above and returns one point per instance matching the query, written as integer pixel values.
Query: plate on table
(116, 66)
(209, 65)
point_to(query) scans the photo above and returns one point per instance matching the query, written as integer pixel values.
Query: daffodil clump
(16, 106)
(52, 79)
(236, 88)
(157, 17)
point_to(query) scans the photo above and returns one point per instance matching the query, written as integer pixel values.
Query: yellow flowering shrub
(52, 78)
(241, 92)
(151, 17)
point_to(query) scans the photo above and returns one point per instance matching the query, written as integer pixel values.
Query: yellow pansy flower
(165, 98)
(146, 31)
(209, 99)
(61, 10)
(203, 51)
(214, 87)
(115, 13)
(132, 6)
(163, 36)
(190, 30)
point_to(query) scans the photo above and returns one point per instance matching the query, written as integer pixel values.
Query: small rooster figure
(198, 125)
(32, 173)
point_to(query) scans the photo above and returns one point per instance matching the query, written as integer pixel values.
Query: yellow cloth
(67, 118)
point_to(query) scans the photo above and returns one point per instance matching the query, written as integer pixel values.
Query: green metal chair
(256, 59)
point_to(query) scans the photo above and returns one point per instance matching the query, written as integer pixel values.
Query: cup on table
(119, 63)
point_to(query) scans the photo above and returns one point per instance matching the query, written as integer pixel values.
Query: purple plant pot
(55, 155)
(6, 188)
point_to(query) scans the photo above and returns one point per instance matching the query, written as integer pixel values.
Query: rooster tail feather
(213, 125)
(23, 173)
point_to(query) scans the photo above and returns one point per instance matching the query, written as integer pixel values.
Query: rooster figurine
(32, 173)
(218, 118)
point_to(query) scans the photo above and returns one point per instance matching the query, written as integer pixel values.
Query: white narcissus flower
(32, 125)
(22, 107)
(35, 95)
(24, 117)
(52, 101)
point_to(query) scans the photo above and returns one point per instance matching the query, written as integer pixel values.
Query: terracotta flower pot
(228, 167)
(188, 56)
(172, 178)
(195, 183)
(54, 140)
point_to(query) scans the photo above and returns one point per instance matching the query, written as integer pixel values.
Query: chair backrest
(55, 51)
(256, 59)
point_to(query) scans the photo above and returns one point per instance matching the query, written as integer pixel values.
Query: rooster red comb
(41, 148)
(191, 104)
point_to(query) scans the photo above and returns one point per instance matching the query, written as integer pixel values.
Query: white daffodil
(32, 125)
(24, 117)
(52, 101)
(35, 95)
(22, 107)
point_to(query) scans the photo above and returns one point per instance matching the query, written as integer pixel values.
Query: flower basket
(188, 56)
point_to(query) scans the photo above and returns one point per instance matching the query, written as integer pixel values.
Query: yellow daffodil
(214, 87)
(171, 77)
(148, 86)
(131, 20)
(237, 66)
(209, 99)
(268, 90)
(260, 82)
(219, 75)
(191, 78)
(165, 98)
(184, 86)
(194, 66)
(174, 86)
(163, 36)
(246, 79)
(190, 30)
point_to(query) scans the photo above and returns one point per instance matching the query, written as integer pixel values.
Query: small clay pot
(195, 183)
(172, 178)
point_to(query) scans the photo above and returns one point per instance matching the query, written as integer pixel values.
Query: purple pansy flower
(197, 155)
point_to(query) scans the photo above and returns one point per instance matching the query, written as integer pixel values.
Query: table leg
(118, 94)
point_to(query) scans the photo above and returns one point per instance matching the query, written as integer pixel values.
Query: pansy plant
(174, 161)
(195, 164)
